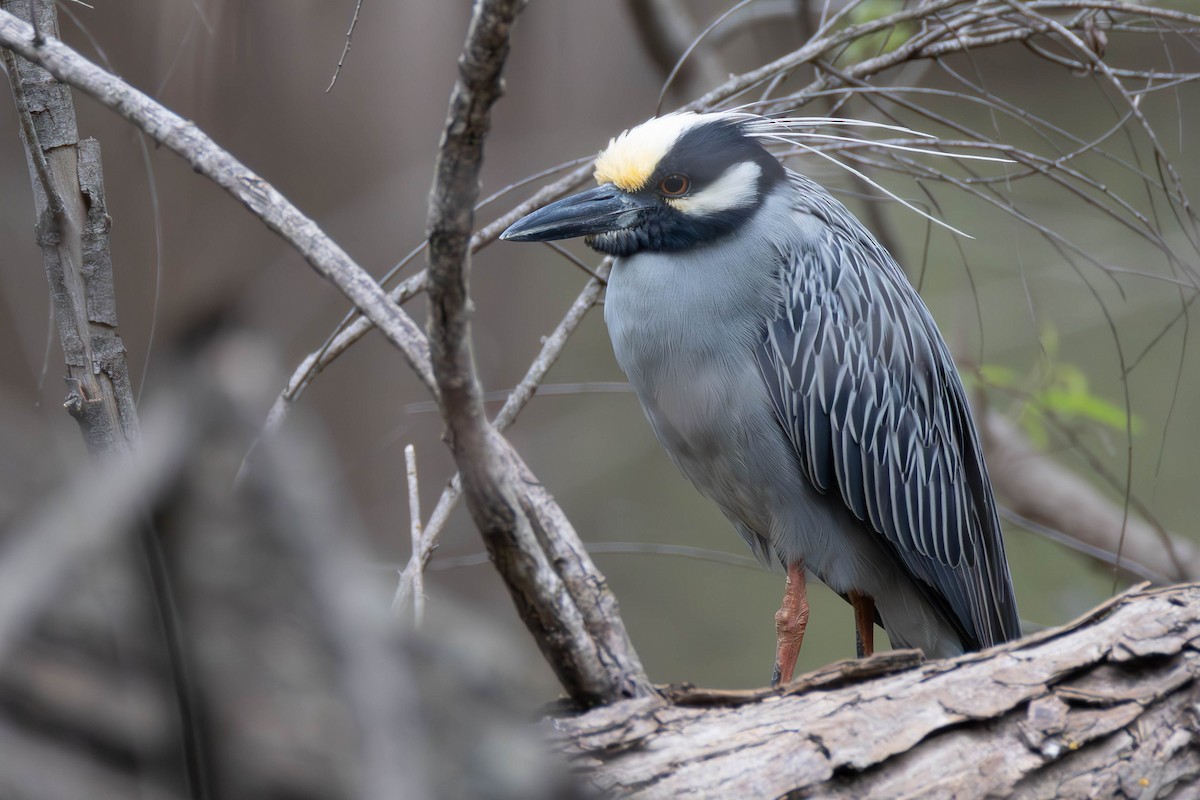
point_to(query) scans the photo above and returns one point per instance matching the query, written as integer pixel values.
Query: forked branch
(557, 590)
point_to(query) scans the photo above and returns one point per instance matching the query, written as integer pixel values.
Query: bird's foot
(790, 623)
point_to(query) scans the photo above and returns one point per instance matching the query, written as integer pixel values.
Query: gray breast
(684, 329)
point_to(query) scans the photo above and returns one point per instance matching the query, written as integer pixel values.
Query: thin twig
(419, 560)
(696, 41)
(514, 402)
(414, 525)
(352, 330)
(345, 48)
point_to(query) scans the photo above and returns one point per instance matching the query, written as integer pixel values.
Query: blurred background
(1028, 319)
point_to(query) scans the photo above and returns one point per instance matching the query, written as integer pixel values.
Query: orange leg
(790, 622)
(864, 623)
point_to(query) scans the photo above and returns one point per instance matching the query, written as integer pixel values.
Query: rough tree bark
(1104, 707)
(72, 230)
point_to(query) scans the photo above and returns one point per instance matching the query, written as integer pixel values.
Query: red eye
(674, 185)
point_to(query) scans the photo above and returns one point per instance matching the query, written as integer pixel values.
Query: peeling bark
(72, 231)
(1104, 707)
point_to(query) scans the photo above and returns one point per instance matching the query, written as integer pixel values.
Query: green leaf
(1063, 393)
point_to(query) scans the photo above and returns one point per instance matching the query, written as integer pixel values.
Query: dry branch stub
(72, 231)
(1103, 707)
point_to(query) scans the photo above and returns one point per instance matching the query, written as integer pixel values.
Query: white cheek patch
(737, 187)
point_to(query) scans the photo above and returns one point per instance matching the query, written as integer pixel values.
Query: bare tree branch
(1040, 490)
(72, 231)
(37, 769)
(611, 667)
(584, 642)
(195, 147)
(353, 330)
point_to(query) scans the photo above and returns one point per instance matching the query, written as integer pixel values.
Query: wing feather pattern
(866, 391)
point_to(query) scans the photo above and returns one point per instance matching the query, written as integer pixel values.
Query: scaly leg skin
(864, 623)
(790, 622)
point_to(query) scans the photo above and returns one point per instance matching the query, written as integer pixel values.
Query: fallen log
(1107, 706)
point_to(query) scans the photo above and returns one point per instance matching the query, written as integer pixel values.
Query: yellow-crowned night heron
(794, 375)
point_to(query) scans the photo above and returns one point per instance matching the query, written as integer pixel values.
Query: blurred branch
(1125, 565)
(241, 594)
(559, 593)
(313, 521)
(262, 199)
(38, 768)
(1048, 494)
(72, 231)
(96, 505)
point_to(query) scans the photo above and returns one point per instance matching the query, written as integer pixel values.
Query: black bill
(605, 208)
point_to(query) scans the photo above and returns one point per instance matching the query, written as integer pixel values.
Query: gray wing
(867, 392)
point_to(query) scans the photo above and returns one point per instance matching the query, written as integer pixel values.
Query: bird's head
(671, 183)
